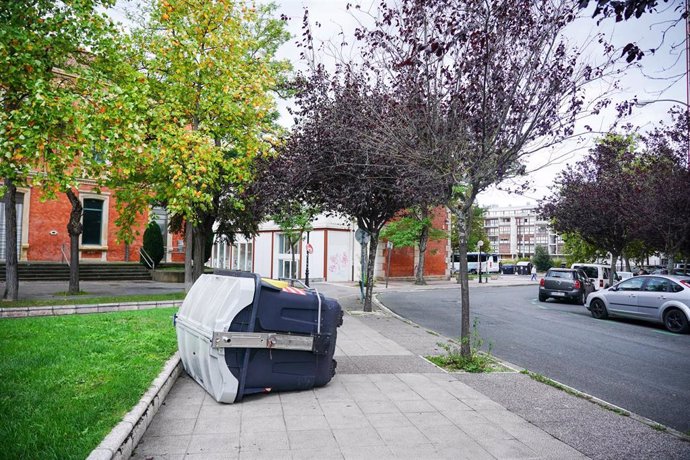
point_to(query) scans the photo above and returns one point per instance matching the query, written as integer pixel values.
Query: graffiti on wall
(338, 262)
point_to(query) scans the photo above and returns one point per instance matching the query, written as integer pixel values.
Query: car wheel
(583, 299)
(675, 321)
(542, 298)
(598, 309)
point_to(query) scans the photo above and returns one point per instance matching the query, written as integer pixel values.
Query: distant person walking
(534, 273)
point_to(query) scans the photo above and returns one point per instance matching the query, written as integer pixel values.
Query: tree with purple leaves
(481, 86)
(663, 176)
(341, 156)
(597, 198)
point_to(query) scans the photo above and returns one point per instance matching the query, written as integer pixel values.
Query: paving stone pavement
(388, 402)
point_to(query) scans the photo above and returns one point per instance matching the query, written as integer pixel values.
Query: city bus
(489, 262)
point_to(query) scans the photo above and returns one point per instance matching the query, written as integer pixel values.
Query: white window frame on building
(102, 244)
(22, 214)
(286, 269)
(242, 256)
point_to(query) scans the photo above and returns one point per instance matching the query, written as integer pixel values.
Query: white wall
(262, 254)
(340, 256)
(316, 238)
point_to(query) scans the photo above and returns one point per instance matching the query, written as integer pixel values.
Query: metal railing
(64, 256)
(147, 259)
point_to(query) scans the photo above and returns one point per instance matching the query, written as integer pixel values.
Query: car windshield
(592, 272)
(557, 274)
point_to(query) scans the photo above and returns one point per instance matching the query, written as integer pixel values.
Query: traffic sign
(310, 248)
(362, 236)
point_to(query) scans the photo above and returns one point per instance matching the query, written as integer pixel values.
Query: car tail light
(577, 284)
(541, 282)
(601, 283)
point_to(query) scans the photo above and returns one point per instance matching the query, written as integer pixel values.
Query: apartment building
(514, 232)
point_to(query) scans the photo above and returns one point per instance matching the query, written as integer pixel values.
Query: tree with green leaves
(477, 230)
(414, 228)
(294, 219)
(211, 69)
(63, 87)
(579, 250)
(542, 259)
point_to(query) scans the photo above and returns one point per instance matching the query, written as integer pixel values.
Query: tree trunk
(188, 248)
(74, 229)
(670, 263)
(627, 263)
(293, 263)
(199, 252)
(373, 245)
(11, 263)
(423, 240)
(614, 260)
(464, 220)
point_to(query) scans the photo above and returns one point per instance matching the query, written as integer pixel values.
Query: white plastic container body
(211, 305)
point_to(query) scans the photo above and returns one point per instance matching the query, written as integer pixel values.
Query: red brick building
(42, 228)
(404, 260)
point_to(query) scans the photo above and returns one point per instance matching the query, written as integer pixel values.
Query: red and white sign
(293, 290)
(310, 248)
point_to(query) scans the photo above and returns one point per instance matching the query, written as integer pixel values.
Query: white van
(597, 273)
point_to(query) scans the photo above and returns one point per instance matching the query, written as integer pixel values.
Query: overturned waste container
(239, 334)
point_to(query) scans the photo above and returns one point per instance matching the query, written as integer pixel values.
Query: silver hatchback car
(659, 298)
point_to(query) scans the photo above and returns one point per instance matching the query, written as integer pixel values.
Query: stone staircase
(88, 271)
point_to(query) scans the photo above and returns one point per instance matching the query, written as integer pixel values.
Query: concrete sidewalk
(386, 401)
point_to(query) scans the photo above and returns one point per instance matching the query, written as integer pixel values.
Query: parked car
(597, 273)
(661, 299)
(565, 283)
(623, 275)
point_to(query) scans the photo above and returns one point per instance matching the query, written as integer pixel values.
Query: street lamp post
(480, 243)
(306, 271)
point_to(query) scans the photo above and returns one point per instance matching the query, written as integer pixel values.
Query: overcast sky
(653, 81)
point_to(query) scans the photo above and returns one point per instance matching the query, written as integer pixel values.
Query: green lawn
(84, 298)
(66, 381)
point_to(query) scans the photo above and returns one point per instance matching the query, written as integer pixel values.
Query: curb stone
(121, 441)
(59, 310)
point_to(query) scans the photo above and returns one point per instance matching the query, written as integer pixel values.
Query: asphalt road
(634, 365)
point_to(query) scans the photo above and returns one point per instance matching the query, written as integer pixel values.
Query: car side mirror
(613, 288)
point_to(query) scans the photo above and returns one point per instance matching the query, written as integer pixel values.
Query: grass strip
(547, 381)
(82, 300)
(66, 381)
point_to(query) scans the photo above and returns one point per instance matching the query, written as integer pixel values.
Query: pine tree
(153, 244)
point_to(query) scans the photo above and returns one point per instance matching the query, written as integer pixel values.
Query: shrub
(153, 244)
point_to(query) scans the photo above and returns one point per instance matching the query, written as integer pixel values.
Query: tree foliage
(211, 69)
(340, 156)
(595, 198)
(579, 250)
(65, 99)
(662, 179)
(481, 85)
(153, 244)
(542, 259)
(294, 219)
(414, 228)
(477, 231)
